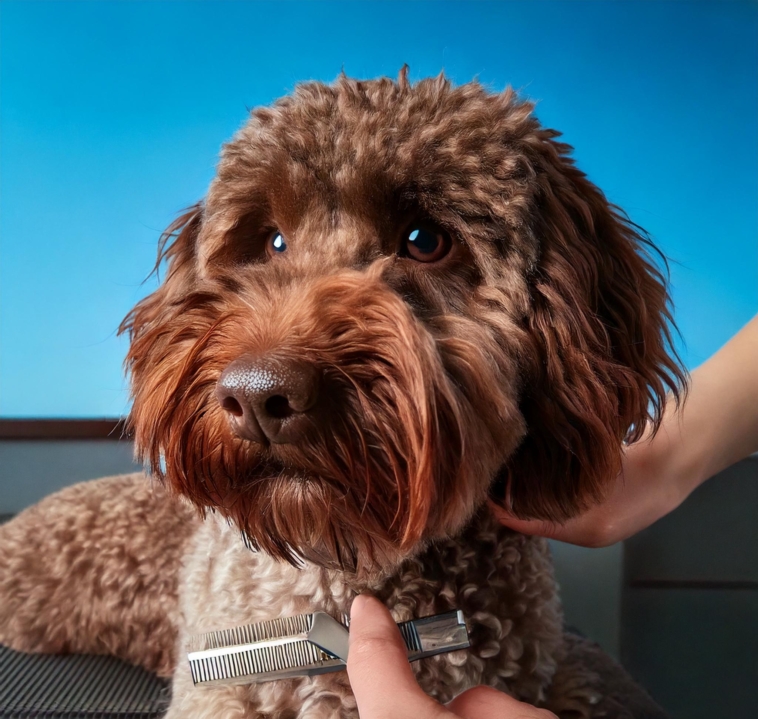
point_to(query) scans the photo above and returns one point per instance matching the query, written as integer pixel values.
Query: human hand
(647, 488)
(384, 685)
(717, 426)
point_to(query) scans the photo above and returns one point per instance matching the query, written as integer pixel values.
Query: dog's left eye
(276, 244)
(426, 244)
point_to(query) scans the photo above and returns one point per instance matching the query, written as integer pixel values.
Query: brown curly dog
(396, 302)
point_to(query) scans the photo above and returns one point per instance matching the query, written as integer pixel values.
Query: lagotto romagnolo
(397, 302)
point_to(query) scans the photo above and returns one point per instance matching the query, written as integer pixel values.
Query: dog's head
(395, 301)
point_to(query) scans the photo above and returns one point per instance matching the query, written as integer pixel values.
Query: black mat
(77, 687)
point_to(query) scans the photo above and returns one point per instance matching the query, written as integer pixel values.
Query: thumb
(378, 668)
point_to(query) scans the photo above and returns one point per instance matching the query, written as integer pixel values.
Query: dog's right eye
(276, 244)
(426, 243)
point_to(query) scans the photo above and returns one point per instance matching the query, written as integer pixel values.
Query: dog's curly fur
(513, 369)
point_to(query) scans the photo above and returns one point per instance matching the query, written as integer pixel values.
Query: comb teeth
(274, 649)
(252, 633)
(248, 663)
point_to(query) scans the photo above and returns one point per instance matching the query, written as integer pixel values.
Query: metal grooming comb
(305, 645)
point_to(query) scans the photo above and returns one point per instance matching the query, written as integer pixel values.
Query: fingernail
(359, 604)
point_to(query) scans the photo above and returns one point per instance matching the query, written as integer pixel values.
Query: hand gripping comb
(305, 645)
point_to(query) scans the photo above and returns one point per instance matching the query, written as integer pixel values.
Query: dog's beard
(404, 455)
(310, 518)
(340, 503)
(341, 499)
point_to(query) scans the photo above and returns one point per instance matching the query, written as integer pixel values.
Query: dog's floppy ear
(177, 248)
(149, 328)
(599, 359)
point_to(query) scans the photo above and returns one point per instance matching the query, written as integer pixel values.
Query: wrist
(663, 469)
(682, 464)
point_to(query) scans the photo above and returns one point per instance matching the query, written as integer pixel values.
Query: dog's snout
(269, 399)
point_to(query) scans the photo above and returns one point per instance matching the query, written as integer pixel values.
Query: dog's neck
(487, 572)
(373, 576)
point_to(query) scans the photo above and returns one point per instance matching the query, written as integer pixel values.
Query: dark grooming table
(98, 687)
(77, 687)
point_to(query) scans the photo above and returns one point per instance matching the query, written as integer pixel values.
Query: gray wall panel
(696, 651)
(32, 469)
(713, 536)
(590, 584)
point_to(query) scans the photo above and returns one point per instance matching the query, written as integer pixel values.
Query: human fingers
(488, 703)
(592, 528)
(378, 668)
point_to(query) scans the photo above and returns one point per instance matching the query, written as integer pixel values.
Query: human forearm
(719, 423)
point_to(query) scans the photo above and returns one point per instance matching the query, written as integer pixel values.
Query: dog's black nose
(267, 399)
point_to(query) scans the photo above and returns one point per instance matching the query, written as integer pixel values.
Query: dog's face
(394, 301)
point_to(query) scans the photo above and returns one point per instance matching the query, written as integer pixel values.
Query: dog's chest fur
(497, 578)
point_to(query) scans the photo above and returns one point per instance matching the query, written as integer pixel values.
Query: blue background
(112, 115)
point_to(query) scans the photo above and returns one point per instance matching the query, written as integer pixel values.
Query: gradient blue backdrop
(113, 113)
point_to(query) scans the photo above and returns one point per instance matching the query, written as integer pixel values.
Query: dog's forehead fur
(355, 160)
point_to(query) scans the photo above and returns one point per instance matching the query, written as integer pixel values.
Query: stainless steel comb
(305, 645)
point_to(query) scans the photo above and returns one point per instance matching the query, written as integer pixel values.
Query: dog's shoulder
(93, 569)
